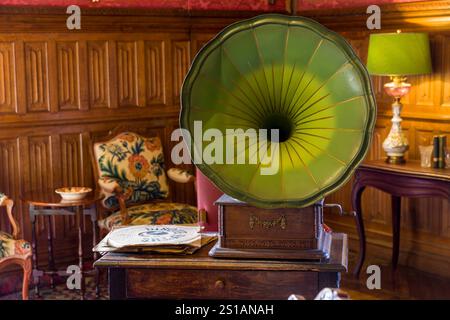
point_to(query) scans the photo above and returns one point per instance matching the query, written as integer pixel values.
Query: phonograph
(303, 87)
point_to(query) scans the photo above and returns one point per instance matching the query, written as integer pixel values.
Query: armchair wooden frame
(22, 260)
(123, 195)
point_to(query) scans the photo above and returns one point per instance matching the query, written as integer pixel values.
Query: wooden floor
(404, 283)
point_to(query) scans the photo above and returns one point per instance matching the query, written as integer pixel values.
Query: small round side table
(47, 203)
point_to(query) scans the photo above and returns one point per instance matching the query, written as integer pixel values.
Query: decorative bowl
(73, 193)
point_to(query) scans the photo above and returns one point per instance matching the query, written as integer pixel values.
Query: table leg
(79, 217)
(51, 259)
(356, 203)
(35, 253)
(329, 280)
(117, 284)
(94, 243)
(396, 209)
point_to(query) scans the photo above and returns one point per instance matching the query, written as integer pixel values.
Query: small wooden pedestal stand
(249, 232)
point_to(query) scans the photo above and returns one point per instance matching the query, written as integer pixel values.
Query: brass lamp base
(395, 159)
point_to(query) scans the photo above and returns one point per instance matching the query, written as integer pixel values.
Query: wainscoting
(58, 88)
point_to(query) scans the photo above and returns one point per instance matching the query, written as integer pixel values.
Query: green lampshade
(399, 54)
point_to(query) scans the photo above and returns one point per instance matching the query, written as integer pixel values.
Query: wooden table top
(411, 168)
(201, 260)
(50, 198)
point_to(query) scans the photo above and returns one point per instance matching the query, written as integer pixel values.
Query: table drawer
(219, 284)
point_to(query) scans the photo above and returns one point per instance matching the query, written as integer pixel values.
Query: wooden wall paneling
(21, 210)
(383, 100)
(445, 73)
(141, 74)
(19, 62)
(377, 201)
(10, 183)
(424, 91)
(40, 163)
(380, 133)
(98, 74)
(25, 160)
(8, 100)
(68, 75)
(37, 76)
(113, 74)
(57, 225)
(127, 73)
(198, 40)
(9, 157)
(83, 75)
(359, 45)
(41, 172)
(180, 62)
(71, 160)
(155, 70)
(86, 173)
(52, 75)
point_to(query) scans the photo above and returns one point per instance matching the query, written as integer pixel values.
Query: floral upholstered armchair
(13, 250)
(130, 173)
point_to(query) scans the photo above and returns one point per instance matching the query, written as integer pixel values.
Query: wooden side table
(402, 180)
(199, 276)
(47, 203)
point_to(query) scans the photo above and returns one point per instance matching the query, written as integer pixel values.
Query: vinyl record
(152, 235)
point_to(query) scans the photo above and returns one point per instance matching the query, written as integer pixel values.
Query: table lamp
(398, 55)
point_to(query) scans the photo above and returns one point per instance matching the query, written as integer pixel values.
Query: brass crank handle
(339, 207)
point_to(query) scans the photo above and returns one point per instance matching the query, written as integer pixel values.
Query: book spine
(435, 159)
(442, 147)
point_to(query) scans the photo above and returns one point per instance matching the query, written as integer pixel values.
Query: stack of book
(439, 150)
(168, 239)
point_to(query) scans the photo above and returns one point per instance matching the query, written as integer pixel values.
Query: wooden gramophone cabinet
(250, 232)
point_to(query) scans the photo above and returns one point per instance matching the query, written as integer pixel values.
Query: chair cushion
(133, 162)
(154, 213)
(10, 247)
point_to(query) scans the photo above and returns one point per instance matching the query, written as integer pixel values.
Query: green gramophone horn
(286, 73)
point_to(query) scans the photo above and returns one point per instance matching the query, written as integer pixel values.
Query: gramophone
(302, 91)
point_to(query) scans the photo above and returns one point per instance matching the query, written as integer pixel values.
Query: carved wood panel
(9, 162)
(10, 176)
(155, 72)
(40, 163)
(71, 160)
(37, 77)
(445, 74)
(68, 75)
(7, 78)
(127, 73)
(98, 65)
(181, 62)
